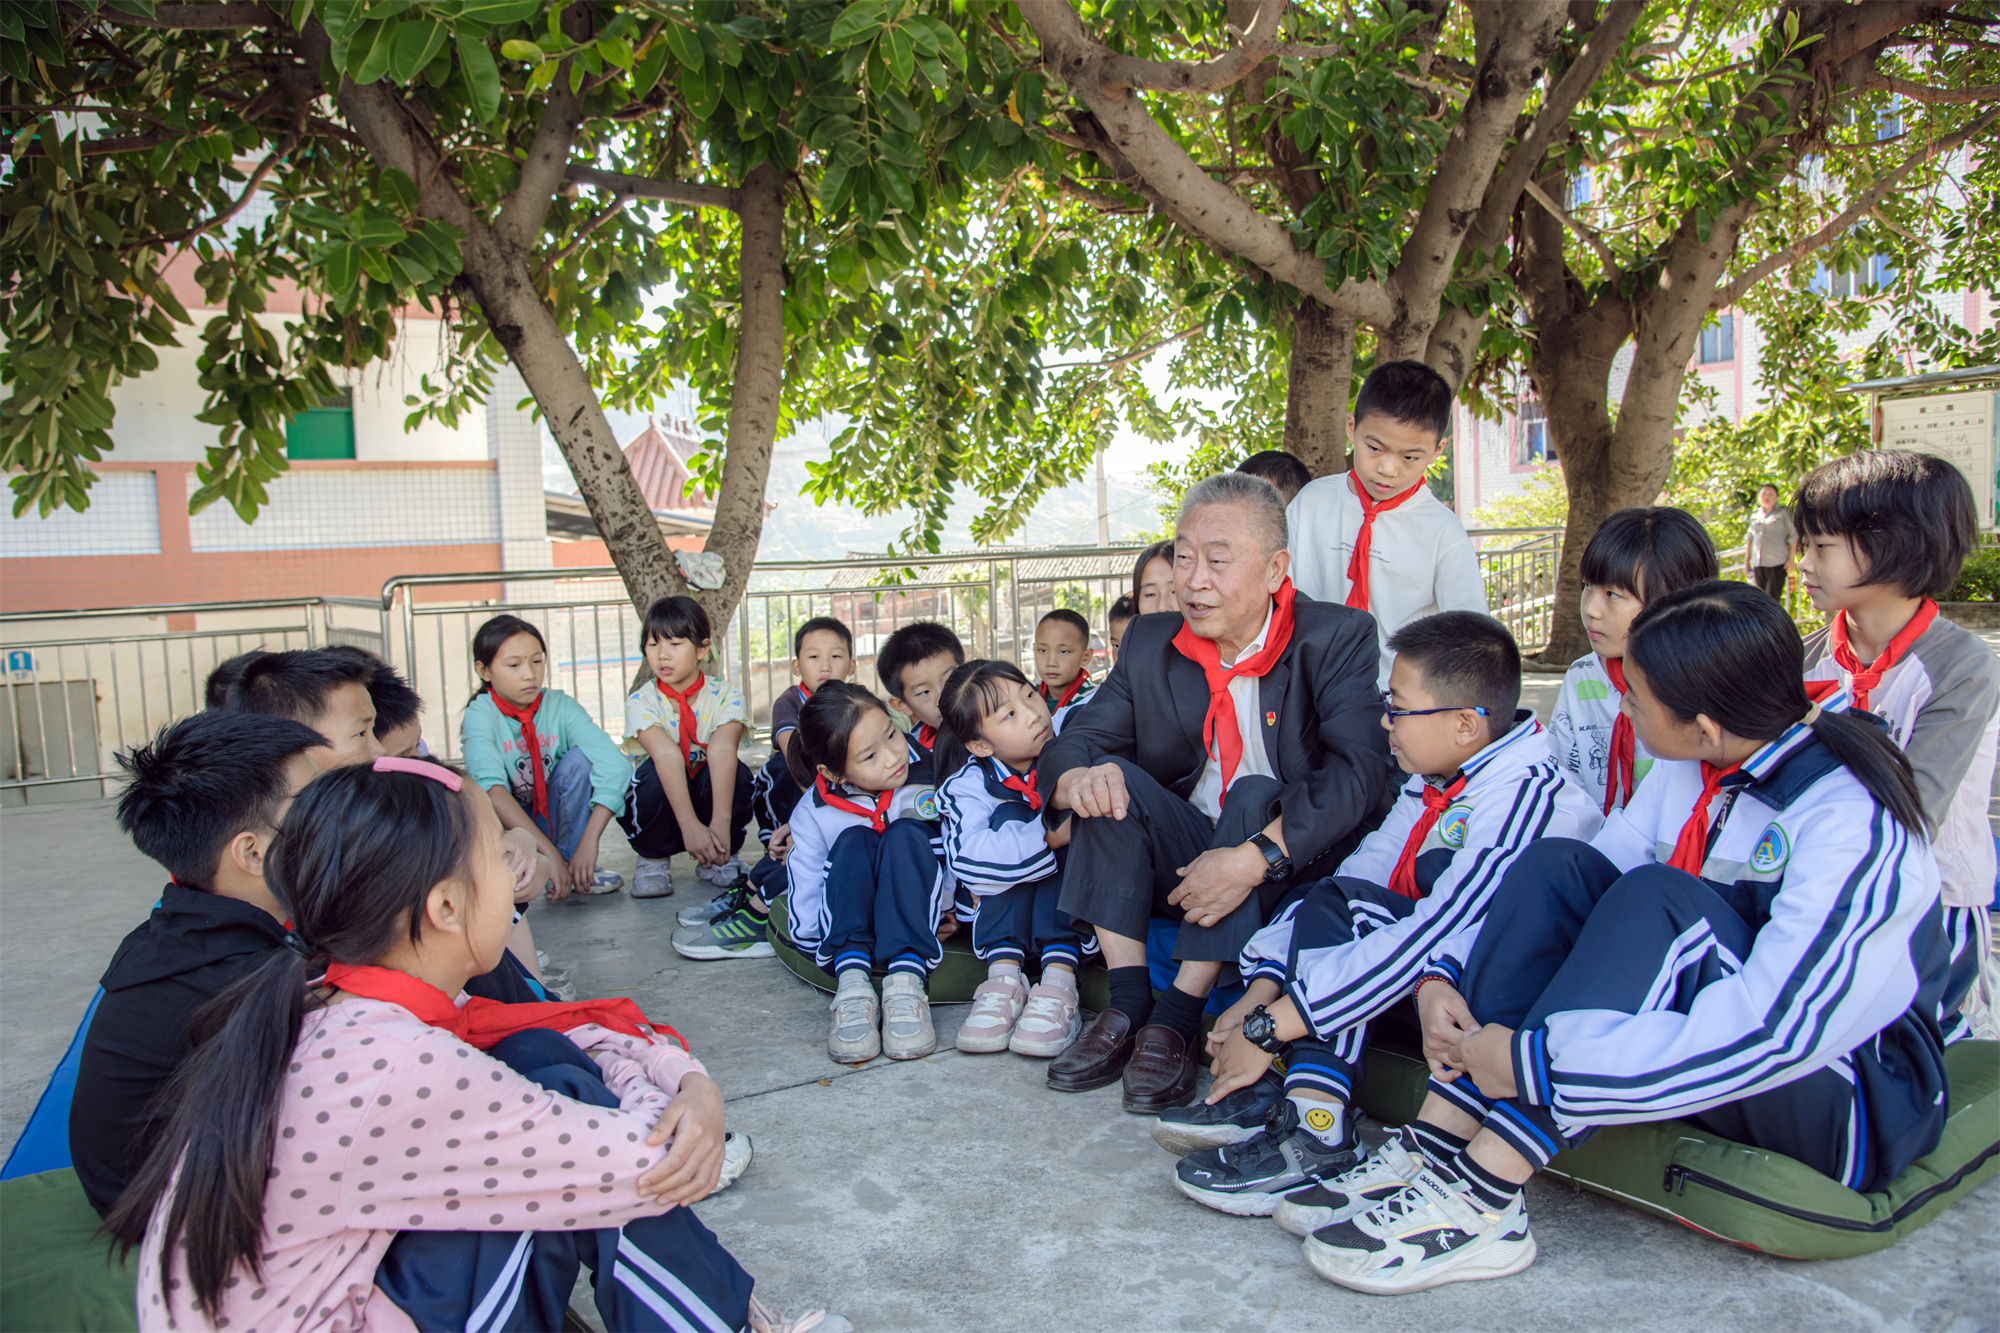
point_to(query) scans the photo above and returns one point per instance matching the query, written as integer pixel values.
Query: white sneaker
(603, 881)
(1383, 1173)
(1427, 1234)
(736, 1153)
(1052, 1020)
(856, 1037)
(817, 1321)
(654, 878)
(907, 1033)
(723, 876)
(995, 1005)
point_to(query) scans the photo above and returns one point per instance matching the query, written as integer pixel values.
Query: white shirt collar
(1256, 644)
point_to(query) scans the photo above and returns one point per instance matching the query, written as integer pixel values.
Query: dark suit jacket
(1320, 713)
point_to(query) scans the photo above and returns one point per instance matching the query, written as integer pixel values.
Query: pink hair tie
(395, 763)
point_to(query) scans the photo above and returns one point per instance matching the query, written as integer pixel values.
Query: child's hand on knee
(693, 1163)
(1446, 1020)
(1487, 1057)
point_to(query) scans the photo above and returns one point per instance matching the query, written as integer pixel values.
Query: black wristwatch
(1277, 865)
(1261, 1031)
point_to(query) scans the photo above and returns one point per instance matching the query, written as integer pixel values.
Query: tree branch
(1862, 204)
(1258, 43)
(249, 190)
(1586, 234)
(1112, 363)
(1918, 92)
(526, 207)
(685, 193)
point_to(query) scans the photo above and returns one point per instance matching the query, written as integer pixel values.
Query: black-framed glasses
(1394, 712)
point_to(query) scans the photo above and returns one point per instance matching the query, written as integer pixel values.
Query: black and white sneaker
(1248, 1179)
(1430, 1232)
(721, 905)
(1239, 1116)
(1387, 1170)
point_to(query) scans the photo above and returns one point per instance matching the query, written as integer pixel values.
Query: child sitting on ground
(325, 689)
(866, 886)
(1287, 475)
(1344, 956)
(548, 768)
(1115, 620)
(1062, 663)
(995, 845)
(1153, 580)
(913, 666)
(270, 1201)
(1376, 538)
(1885, 532)
(1635, 555)
(1707, 956)
(690, 793)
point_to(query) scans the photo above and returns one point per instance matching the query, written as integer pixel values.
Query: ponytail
(1729, 650)
(826, 722)
(970, 693)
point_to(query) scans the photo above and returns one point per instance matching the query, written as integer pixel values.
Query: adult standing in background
(1771, 543)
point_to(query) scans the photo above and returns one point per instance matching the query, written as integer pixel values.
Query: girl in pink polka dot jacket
(359, 1151)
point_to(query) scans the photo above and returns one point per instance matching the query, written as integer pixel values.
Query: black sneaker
(1248, 1179)
(1239, 1116)
(721, 905)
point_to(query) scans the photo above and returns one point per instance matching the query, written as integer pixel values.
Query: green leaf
(520, 48)
(616, 51)
(858, 23)
(494, 13)
(416, 42)
(378, 233)
(372, 66)
(703, 93)
(482, 77)
(687, 46)
(902, 54)
(646, 75)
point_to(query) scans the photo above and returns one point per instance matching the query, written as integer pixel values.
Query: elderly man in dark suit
(1236, 748)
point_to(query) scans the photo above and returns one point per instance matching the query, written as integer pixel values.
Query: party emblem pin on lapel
(1271, 719)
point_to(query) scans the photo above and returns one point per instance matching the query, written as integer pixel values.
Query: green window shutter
(326, 431)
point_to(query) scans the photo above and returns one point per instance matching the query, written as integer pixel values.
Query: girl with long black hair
(340, 1095)
(1753, 943)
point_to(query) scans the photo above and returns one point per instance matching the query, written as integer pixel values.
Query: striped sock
(1438, 1147)
(1493, 1193)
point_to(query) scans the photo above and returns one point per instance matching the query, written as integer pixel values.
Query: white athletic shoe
(995, 1006)
(1427, 1234)
(1384, 1173)
(654, 878)
(907, 1033)
(856, 1037)
(736, 1153)
(817, 1321)
(723, 876)
(1050, 1023)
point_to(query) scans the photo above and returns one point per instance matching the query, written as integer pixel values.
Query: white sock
(1324, 1120)
(1059, 976)
(1004, 967)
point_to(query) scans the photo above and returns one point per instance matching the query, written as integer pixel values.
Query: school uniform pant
(649, 821)
(1771, 578)
(1024, 919)
(1120, 871)
(569, 788)
(665, 1272)
(884, 892)
(1334, 911)
(1567, 931)
(773, 793)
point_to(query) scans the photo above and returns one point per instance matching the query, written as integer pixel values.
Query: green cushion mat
(54, 1273)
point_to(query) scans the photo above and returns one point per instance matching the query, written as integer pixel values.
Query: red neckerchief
(877, 816)
(1691, 848)
(1403, 879)
(484, 1023)
(1357, 564)
(927, 735)
(687, 723)
(526, 717)
(1023, 785)
(1624, 748)
(1863, 679)
(1069, 692)
(1219, 733)
(804, 694)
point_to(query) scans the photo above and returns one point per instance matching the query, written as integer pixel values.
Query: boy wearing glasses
(1349, 950)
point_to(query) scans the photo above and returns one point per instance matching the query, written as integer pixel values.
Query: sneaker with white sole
(726, 876)
(907, 1033)
(1235, 1119)
(736, 1153)
(1426, 1234)
(740, 934)
(1385, 1172)
(1247, 1179)
(1051, 1022)
(603, 881)
(763, 1320)
(856, 1037)
(701, 914)
(995, 1005)
(654, 878)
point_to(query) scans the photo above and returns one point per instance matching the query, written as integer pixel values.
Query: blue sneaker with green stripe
(740, 933)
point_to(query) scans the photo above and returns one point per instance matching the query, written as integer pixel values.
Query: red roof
(662, 471)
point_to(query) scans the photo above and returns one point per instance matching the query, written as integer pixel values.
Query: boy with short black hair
(204, 800)
(215, 691)
(326, 690)
(913, 666)
(1115, 620)
(1062, 663)
(1375, 538)
(398, 708)
(1350, 948)
(1284, 471)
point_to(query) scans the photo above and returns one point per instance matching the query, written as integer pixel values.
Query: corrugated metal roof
(662, 472)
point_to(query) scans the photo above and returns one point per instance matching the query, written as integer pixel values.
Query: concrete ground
(957, 1193)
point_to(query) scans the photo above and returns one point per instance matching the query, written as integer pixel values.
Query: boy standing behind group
(1376, 538)
(1062, 663)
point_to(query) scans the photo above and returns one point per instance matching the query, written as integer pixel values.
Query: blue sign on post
(20, 660)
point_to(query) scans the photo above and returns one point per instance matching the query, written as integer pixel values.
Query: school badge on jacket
(1772, 851)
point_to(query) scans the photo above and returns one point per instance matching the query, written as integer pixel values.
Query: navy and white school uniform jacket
(1514, 792)
(993, 840)
(1848, 942)
(923, 756)
(1085, 687)
(816, 826)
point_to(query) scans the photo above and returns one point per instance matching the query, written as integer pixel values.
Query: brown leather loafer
(1097, 1057)
(1161, 1073)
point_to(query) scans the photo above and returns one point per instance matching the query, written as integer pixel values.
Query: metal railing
(82, 684)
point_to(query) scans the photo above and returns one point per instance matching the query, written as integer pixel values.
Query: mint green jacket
(495, 754)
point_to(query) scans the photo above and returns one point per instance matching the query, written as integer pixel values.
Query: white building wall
(123, 519)
(514, 443)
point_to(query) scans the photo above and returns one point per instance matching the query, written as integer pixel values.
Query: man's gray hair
(1260, 497)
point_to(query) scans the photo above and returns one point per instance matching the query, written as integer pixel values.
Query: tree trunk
(753, 402)
(1317, 386)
